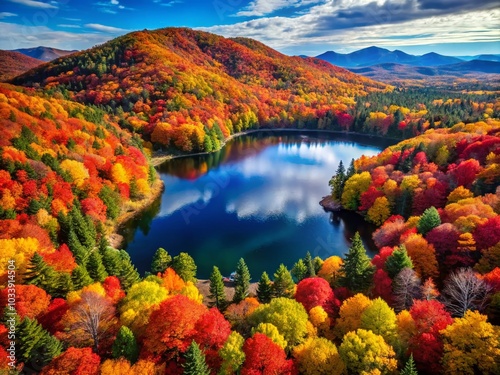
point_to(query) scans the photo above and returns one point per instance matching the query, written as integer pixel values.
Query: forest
(77, 140)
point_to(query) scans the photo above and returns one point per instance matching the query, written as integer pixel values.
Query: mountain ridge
(15, 63)
(44, 53)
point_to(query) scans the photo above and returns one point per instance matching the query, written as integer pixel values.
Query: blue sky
(310, 27)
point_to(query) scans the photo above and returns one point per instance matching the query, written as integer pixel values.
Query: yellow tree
(354, 187)
(77, 171)
(331, 269)
(380, 319)
(365, 352)
(380, 211)
(318, 356)
(422, 255)
(350, 314)
(471, 346)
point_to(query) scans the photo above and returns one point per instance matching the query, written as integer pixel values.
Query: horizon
(293, 27)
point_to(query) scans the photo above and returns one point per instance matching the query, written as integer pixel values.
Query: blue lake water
(257, 198)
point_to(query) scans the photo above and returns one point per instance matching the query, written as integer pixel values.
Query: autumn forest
(79, 138)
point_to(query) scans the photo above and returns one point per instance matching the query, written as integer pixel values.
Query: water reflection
(257, 198)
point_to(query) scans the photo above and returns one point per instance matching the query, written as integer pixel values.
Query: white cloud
(105, 29)
(69, 26)
(169, 3)
(21, 36)
(34, 4)
(7, 14)
(263, 7)
(312, 31)
(115, 2)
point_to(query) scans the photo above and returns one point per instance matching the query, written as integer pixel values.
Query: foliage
(242, 281)
(283, 285)
(195, 361)
(264, 288)
(185, 267)
(125, 345)
(357, 270)
(262, 356)
(217, 292)
(397, 261)
(363, 351)
(318, 356)
(232, 354)
(161, 261)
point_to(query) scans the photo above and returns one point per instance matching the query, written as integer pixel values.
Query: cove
(256, 198)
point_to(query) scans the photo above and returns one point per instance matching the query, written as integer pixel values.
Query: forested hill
(190, 89)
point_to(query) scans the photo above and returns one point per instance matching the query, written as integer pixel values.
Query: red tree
(264, 357)
(74, 362)
(31, 300)
(487, 234)
(316, 291)
(51, 319)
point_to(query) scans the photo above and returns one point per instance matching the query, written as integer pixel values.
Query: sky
(293, 27)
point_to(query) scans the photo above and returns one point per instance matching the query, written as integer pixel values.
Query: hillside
(488, 72)
(189, 90)
(14, 63)
(44, 53)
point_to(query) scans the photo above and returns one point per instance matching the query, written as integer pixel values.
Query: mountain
(396, 73)
(487, 57)
(375, 55)
(190, 89)
(15, 63)
(44, 53)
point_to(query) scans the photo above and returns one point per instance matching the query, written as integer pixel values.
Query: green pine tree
(217, 292)
(161, 261)
(79, 251)
(95, 268)
(128, 274)
(283, 285)
(351, 171)
(61, 286)
(242, 281)
(125, 345)
(185, 267)
(398, 260)
(35, 346)
(80, 278)
(357, 269)
(428, 221)
(264, 288)
(410, 368)
(309, 263)
(299, 270)
(338, 181)
(38, 272)
(83, 228)
(195, 361)
(111, 260)
(317, 262)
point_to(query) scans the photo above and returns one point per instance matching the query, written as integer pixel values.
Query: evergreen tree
(128, 274)
(134, 189)
(185, 267)
(111, 261)
(351, 171)
(80, 278)
(84, 229)
(217, 292)
(35, 346)
(317, 263)
(242, 281)
(95, 268)
(264, 288)
(38, 272)
(309, 263)
(428, 221)
(195, 361)
(357, 269)
(161, 261)
(299, 270)
(78, 250)
(410, 368)
(125, 345)
(61, 286)
(283, 285)
(338, 181)
(398, 260)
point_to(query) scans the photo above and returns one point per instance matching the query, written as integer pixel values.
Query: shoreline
(160, 157)
(114, 238)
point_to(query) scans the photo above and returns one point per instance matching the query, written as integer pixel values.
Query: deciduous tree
(318, 356)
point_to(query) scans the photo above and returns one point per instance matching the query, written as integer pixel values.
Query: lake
(257, 198)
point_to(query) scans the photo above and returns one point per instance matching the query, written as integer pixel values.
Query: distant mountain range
(14, 63)
(375, 55)
(44, 53)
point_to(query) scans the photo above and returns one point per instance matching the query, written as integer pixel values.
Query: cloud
(362, 23)
(264, 7)
(34, 4)
(168, 3)
(69, 26)
(105, 29)
(22, 36)
(111, 7)
(7, 14)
